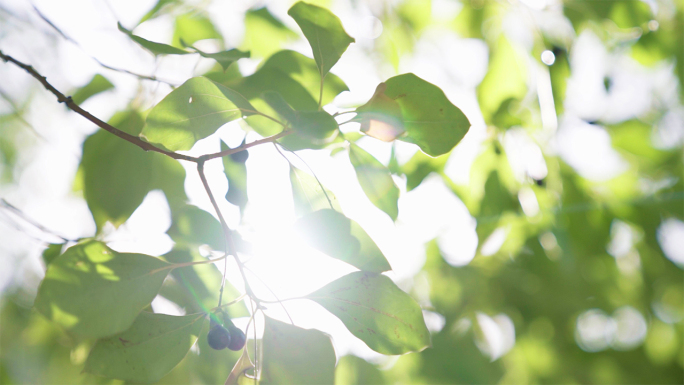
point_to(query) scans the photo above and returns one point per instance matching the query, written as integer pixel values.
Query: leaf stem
(233, 302)
(336, 114)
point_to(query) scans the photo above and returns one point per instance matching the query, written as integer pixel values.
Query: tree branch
(105, 126)
(245, 146)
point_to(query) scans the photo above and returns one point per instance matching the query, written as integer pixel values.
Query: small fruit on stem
(237, 338)
(219, 337)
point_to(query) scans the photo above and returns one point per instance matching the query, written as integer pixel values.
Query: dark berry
(218, 337)
(237, 339)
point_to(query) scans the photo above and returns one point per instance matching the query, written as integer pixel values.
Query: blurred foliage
(553, 267)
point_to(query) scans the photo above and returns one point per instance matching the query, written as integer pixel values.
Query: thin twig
(233, 302)
(71, 40)
(8, 206)
(272, 293)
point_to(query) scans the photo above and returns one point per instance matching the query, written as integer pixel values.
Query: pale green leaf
(506, 79)
(430, 119)
(192, 27)
(154, 47)
(92, 291)
(236, 173)
(224, 58)
(264, 34)
(339, 237)
(192, 112)
(200, 284)
(297, 356)
(117, 175)
(153, 345)
(375, 180)
(308, 194)
(52, 251)
(324, 32)
(96, 85)
(375, 310)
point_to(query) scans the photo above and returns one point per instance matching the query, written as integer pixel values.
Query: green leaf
(375, 310)
(264, 34)
(236, 172)
(224, 58)
(294, 355)
(339, 237)
(309, 195)
(153, 345)
(375, 180)
(192, 112)
(201, 284)
(315, 124)
(194, 227)
(192, 27)
(152, 13)
(324, 32)
(276, 101)
(419, 167)
(381, 117)
(92, 291)
(51, 252)
(155, 48)
(313, 128)
(506, 79)
(96, 85)
(117, 175)
(430, 120)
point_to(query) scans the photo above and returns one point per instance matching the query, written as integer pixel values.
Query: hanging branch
(230, 245)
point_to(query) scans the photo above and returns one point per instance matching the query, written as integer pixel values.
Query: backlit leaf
(92, 291)
(192, 27)
(224, 58)
(375, 180)
(324, 32)
(431, 121)
(153, 345)
(51, 252)
(309, 195)
(381, 117)
(96, 85)
(194, 226)
(236, 172)
(339, 237)
(293, 355)
(117, 175)
(200, 284)
(192, 112)
(154, 47)
(506, 78)
(264, 34)
(375, 310)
